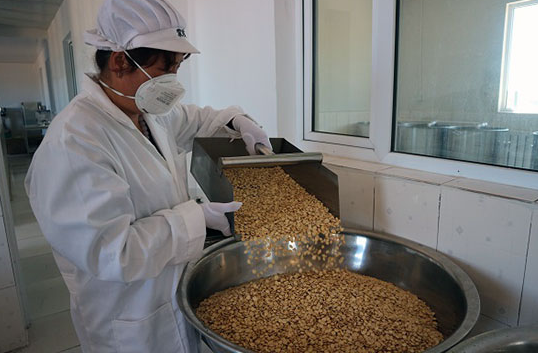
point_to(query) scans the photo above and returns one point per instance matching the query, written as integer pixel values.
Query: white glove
(251, 133)
(215, 218)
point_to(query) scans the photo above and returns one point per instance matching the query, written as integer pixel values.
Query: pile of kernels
(275, 206)
(323, 311)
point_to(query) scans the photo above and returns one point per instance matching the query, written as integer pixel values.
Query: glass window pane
(448, 85)
(521, 55)
(342, 66)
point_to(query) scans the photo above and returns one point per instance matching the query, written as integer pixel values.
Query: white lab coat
(119, 219)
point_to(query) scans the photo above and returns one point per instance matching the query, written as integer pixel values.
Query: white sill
(502, 111)
(484, 187)
(417, 175)
(354, 163)
(502, 190)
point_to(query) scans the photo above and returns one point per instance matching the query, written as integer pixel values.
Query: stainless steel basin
(444, 286)
(509, 340)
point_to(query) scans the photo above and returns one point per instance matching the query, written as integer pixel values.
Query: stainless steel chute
(210, 156)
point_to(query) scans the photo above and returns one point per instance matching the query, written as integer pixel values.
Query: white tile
(17, 190)
(47, 297)
(33, 246)
(6, 269)
(28, 230)
(529, 300)
(12, 331)
(20, 205)
(341, 122)
(408, 209)
(485, 324)
(331, 122)
(488, 237)
(417, 175)
(54, 333)
(24, 217)
(356, 194)
(353, 163)
(508, 191)
(76, 349)
(38, 268)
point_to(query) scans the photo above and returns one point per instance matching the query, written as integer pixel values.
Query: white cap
(130, 24)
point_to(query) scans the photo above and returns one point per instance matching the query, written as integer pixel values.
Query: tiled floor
(47, 298)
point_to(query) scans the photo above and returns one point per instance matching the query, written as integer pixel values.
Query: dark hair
(143, 56)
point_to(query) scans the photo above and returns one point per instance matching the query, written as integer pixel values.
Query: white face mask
(158, 95)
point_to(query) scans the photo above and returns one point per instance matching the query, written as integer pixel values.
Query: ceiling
(28, 13)
(23, 24)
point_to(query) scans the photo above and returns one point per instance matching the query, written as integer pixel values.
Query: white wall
(74, 16)
(18, 49)
(237, 61)
(42, 78)
(287, 33)
(57, 31)
(18, 83)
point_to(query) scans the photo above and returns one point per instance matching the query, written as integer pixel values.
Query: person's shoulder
(80, 117)
(80, 109)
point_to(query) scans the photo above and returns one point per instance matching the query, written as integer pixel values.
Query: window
(342, 42)
(519, 93)
(434, 92)
(449, 72)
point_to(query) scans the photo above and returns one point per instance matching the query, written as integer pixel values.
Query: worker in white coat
(108, 184)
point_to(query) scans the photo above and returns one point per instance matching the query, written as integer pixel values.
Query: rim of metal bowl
(499, 338)
(464, 281)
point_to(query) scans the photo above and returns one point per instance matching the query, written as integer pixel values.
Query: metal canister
(439, 135)
(361, 128)
(534, 154)
(468, 141)
(415, 137)
(476, 143)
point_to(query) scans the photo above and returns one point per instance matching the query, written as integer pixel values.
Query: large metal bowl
(507, 340)
(430, 275)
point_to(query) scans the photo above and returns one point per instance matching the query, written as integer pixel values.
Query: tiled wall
(490, 230)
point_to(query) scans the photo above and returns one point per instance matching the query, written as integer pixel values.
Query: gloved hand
(215, 218)
(251, 133)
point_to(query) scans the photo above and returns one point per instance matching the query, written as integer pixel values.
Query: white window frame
(377, 148)
(309, 133)
(507, 45)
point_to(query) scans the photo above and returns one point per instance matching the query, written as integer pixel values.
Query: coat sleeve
(85, 211)
(189, 121)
